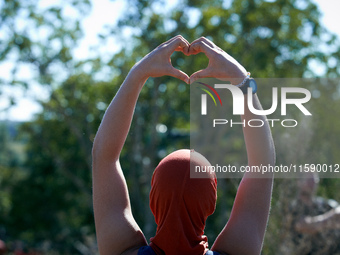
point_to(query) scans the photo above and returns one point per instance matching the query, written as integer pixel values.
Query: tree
(59, 166)
(39, 39)
(271, 39)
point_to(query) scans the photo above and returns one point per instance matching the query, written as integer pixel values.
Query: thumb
(199, 74)
(179, 75)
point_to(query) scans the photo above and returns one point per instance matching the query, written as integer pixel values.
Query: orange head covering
(181, 204)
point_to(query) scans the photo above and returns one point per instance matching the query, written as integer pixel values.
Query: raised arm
(244, 232)
(117, 231)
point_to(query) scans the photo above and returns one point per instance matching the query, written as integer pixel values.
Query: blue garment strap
(212, 253)
(147, 250)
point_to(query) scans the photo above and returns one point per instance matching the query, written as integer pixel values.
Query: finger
(179, 44)
(185, 49)
(199, 74)
(187, 44)
(168, 41)
(179, 74)
(204, 39)
(180, 36)
(201, 46)
(173, 40)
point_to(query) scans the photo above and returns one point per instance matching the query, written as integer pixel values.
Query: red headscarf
(181, 204)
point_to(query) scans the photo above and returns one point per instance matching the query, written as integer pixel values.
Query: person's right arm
(244, 232)
(116, 229)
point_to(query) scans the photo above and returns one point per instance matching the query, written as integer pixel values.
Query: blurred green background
(45, 163)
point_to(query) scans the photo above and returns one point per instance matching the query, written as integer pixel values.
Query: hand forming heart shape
(221, 65)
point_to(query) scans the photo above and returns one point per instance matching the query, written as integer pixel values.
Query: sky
(106, 12)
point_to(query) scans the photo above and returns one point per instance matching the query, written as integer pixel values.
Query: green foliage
(40, 38)
(58, 168)
(48, 198)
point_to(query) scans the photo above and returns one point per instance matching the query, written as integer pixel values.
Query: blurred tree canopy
(46, 198)
(40, 39)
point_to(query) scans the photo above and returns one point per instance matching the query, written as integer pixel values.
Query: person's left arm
(245, 230)
(117, 231)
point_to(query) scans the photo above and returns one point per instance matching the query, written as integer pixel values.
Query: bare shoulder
(112, 211)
